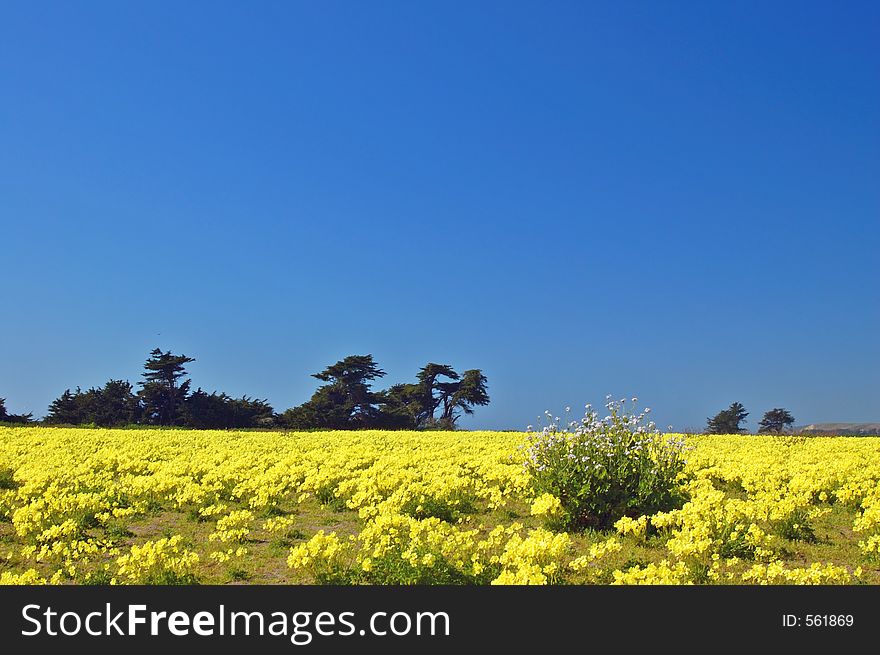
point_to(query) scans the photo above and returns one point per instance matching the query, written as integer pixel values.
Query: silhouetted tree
(205, 411)
(114, 404)
(6, 417)
(462, 396)
(346, 402)
(252, 413)
(401, 407)
(432, 389)
(68, 409)
(216, 411)
(163, 393)
(776, 421)
(727, 421)
(416, 405)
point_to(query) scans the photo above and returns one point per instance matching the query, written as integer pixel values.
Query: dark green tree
(206, 411)
(776, 421)
(163, 392)
(217, 411)
(433, 390)
(727, 421)
(251, 413)
(416, 405)
(345, 402)
(462, 396)
(401, 407)
(114, 404)
(6, 417)
(68, 409)
(326, 409)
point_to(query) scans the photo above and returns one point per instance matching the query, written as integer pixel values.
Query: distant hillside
(839, 428)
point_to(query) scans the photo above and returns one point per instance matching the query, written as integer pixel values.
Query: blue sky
(671, 200)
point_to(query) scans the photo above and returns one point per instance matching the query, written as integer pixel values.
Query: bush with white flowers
(601, 470)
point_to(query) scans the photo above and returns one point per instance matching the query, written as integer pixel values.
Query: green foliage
(402, 407)
(113, 405)
(393, 569)
(163, 393)
(346, 402)
(163, 400)
(117, 531)
(796, 526)
(216, 411)
(415, 406)
(445, 509)
(289, 538)
(462, 395)
(7, 478)
(727, 421)
(5, 417)
(67, 409)
(165, 577)
(326, 495)
(603, 470)
(100, 577)
(776, 421)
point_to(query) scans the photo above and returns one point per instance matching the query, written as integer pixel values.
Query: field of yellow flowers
(100, 506)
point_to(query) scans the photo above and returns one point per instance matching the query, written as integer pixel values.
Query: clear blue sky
(671, 200)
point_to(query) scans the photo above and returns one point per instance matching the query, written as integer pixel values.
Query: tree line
(730, 420)
(436, 400)
(6, 417)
